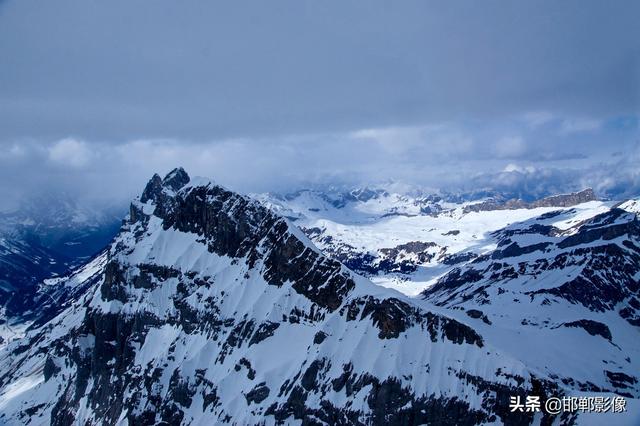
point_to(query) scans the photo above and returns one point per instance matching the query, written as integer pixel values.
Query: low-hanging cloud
(70, 153)
(440, 157)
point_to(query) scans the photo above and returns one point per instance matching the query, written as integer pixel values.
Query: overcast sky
(538, 96)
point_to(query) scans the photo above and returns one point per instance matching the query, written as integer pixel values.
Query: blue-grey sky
(540, 96)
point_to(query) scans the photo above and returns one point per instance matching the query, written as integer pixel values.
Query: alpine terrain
(213, 307)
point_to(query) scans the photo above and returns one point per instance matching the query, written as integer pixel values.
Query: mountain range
(365, 307)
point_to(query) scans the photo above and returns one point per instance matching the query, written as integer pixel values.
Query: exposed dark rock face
(607, 278)
(319, 337)
(607, 270)
(153, 190)
(594, 328)
(456, 278)
(607, 226)
(454, 259)
(320, 279)
(477, 314)
(567, 200)
(264, 331)
(50, 368)
(392, 317)
(621, 380)
(514, 250)
(390, 404)
(258, 394)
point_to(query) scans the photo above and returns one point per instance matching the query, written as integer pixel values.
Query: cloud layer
(506, 155)
(95, 96)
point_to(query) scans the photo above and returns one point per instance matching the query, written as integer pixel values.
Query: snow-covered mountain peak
(209, 307)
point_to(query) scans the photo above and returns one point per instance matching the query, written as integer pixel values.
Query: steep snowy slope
(561, 293)
(209, 308)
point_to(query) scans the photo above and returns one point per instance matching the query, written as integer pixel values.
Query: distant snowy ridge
(408, 240)
(562, 200)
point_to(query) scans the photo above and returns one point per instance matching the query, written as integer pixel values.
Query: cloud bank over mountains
(528, 98)
(522, 161)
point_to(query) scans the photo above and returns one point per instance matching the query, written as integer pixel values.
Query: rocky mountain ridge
(208, 307)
